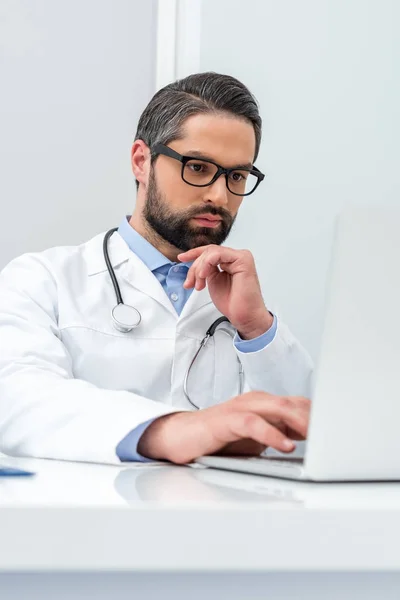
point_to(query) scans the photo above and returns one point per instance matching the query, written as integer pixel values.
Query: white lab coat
(72, 386)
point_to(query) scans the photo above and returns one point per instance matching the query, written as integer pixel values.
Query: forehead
(226, 139)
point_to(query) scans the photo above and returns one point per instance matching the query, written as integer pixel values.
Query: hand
(235, 290)
(246, 424)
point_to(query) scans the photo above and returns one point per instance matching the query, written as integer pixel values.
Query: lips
(209, 217)
(207, 220)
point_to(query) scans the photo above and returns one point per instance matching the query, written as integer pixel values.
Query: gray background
(326, 74)
(75, 77)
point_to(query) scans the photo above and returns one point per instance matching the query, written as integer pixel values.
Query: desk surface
(78, 516)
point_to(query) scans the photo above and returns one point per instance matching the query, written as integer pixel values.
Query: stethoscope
(126, 317)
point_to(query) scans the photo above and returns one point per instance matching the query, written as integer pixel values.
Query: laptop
(354, 430)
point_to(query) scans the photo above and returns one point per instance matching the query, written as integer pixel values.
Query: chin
(201, 238)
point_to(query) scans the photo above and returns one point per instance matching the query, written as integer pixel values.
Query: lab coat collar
(130, 268)
(152, 258)
(118, 252)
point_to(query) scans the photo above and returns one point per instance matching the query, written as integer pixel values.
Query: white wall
(74, 78)
(326, 74)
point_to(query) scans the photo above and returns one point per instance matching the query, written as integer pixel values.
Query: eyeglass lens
(199, 172)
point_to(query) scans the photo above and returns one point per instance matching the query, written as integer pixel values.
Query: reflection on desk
(61, 483)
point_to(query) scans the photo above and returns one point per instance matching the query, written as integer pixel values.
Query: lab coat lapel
(195, 302)
(127, 267)
(137, 274)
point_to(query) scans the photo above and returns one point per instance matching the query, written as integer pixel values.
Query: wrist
(257, 327)
(156, 441)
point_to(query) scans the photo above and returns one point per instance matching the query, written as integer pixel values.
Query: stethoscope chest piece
(125, 317)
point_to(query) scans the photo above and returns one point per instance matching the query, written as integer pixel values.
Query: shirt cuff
(258, 343)
(127, 448)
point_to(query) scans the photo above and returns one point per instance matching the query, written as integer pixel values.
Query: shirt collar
(152, 258)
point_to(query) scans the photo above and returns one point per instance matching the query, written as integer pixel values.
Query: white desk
(95, 531)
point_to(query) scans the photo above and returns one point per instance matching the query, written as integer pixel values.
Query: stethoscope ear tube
(109, 266)
(124, 317)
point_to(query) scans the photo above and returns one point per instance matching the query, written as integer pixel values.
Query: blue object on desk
(12, 472)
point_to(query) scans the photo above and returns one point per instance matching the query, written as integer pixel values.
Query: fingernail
(288, 445)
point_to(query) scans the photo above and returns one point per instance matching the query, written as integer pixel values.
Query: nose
(217, 192)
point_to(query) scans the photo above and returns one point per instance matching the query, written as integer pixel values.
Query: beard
(175, 227)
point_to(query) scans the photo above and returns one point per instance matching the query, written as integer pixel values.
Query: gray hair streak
(163, 118)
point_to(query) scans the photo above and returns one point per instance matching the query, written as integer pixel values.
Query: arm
(44, 411)
(279, 365)
(282, 366)
(268, 369)
(246, 424)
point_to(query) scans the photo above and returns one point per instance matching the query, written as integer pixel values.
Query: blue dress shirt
(171, 276)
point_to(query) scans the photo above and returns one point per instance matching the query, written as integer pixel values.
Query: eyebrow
(197, 154)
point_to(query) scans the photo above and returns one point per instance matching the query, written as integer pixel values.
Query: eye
(197, 167)
(238, 176)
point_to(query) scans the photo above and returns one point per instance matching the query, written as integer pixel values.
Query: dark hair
(164, 116)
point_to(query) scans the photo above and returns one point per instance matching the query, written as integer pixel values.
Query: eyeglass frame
(167, 151)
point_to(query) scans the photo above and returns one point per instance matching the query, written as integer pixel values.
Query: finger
(254, 427)
(192, 279)
(302, 406)
(296, 403)
(193, 272)
(191, 276)
(206, 269)
(275, 409)
(229, 260)
(286, 430)
(245, 447)
(192, 254)
(295, 421)
(221, 254)
(293, 435)
(199, 271)
(301, 402)
(200, 283)
(206, 266)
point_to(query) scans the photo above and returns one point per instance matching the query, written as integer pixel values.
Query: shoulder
(34, 268)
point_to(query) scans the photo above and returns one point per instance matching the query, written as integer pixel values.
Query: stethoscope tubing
(127, 327)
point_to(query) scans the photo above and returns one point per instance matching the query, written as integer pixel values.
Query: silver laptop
(354, 431)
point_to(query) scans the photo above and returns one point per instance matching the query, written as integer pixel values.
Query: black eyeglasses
(241, 181)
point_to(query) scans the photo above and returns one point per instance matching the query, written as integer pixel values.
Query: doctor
(79, 383)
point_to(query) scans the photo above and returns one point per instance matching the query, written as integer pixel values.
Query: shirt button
(174, 297)
(175, 269)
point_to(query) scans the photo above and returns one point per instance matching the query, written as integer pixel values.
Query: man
(73, 387)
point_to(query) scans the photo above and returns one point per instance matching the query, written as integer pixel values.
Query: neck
(141, 226)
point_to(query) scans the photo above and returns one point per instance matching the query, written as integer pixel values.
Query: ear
(140, 160)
